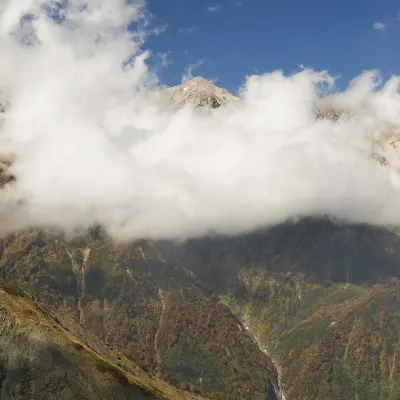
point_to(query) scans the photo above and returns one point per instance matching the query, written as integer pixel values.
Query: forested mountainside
(322, 299)
(319, 298)
(157, 313)
(39, 359)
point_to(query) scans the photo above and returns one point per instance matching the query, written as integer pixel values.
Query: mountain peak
(198, 80)
(200, 92)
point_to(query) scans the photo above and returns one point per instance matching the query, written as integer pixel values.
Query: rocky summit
(308, 309)
(200, 92)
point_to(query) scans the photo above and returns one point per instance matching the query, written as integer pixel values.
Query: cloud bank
(94, 141)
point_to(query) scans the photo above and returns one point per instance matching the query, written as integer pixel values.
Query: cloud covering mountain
(94, 139)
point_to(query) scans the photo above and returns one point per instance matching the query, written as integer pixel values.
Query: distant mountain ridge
(200, 92)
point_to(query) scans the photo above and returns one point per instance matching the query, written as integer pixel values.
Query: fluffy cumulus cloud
(94, 141)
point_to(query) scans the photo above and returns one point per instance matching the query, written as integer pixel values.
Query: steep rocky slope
(41, 360)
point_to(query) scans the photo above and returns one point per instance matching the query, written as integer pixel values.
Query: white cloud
(214, 8)
(96, 143)
(187, 31)
(188, 74)
(379, 26)
(238, 3)
(164, 61)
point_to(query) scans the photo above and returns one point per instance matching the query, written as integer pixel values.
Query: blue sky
(229, 39)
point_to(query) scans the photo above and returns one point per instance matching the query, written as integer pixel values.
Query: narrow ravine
(280, 392)
(78, 269)
(163, 299)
